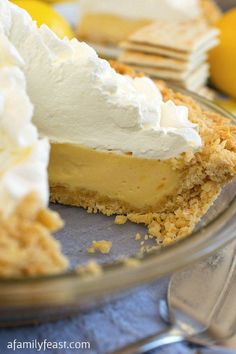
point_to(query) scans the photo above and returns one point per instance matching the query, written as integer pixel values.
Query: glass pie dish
(45, 298)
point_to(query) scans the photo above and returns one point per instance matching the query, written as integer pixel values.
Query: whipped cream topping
(144, 9)
(23, 157)
(80, 99)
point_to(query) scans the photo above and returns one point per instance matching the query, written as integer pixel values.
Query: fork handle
(169, 336)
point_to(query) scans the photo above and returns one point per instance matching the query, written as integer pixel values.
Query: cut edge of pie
(203, 175)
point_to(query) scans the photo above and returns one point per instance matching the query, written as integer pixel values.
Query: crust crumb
(131, 262)
(91, 268)
(138, 236)
(120, 219)
(102, 246)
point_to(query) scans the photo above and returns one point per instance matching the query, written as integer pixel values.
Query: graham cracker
(186, 36)
(171, 74)
(193, 83)
(160, 62)
(169, 53)
(211, 10)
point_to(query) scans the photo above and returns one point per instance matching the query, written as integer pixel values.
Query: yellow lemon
(44, 14)
(228, 104)
(223, 57)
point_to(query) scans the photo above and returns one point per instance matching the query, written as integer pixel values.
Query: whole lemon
(44, 14)
(228, 104)
(223, 57)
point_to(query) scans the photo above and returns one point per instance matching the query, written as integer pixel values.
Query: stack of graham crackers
(172, 51)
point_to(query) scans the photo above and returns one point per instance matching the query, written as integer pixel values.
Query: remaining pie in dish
(168, 196)
(108, 22)
(119, 145)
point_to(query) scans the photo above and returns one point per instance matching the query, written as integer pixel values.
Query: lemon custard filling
(137, 184)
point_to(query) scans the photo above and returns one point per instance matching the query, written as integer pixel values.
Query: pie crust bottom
(174, 220)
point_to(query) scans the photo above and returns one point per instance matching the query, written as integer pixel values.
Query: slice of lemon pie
(108, 22)
(119, 145)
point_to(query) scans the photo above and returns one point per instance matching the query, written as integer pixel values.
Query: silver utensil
(201, 305)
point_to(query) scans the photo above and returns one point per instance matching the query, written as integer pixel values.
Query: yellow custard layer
(139, 184)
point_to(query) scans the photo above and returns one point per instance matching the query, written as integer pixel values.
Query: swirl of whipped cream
(23, 156)
(80, 99)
